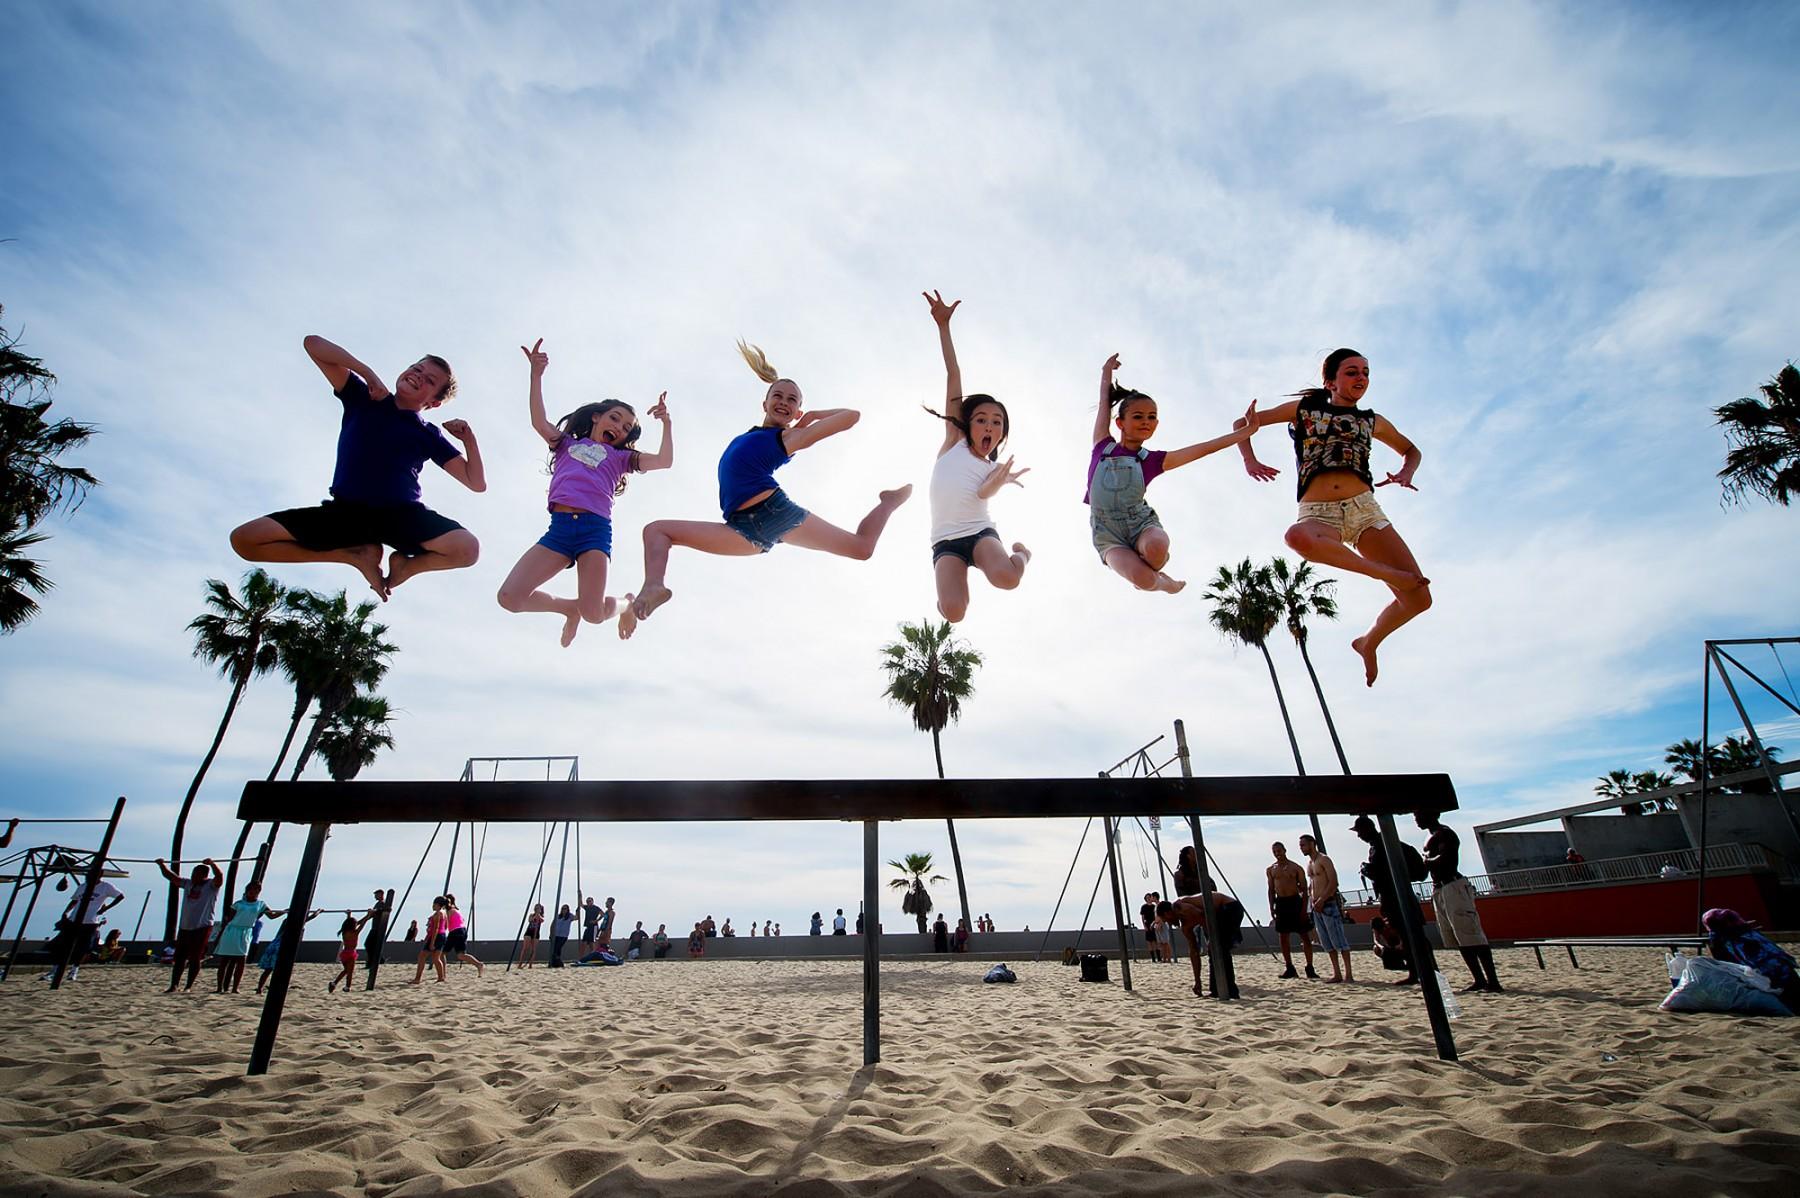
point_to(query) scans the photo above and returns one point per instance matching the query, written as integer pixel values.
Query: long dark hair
(1118, 397)
(1327, 373)
(580, 423)
(965, 422)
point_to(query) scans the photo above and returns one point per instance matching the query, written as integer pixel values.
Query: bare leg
(520, 593)
(1384, 546)
(1306, 946)
(815, 533)
(267, 540)
(952, 587)
(455, 550)
(419, 975)
(1139, 573)
(1287, 958)
(660, 536)
(1004, 571)
(1318, 542)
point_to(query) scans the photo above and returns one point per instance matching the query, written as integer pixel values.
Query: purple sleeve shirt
(586, 474)
(1150, 460)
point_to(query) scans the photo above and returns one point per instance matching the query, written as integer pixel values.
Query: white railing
(1644, 867)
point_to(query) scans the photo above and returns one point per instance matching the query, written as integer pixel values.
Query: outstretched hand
(1246, 424)
(1007, 474)
(940, 311)
(660, 409)
(1401, 479)
(1259, 471)
(1111, 365)
(459, 429)
(537, 357)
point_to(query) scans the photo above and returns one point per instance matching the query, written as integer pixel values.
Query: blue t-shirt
(748, 466)
(381, 448)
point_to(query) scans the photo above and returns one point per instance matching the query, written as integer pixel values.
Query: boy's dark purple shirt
(382, 447)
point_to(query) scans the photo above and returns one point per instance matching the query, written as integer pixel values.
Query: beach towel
(1000, 973)
(1710, 985)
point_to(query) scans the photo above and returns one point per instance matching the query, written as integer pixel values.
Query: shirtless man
(1188, 914)
(1287, 908)
(1327, 904)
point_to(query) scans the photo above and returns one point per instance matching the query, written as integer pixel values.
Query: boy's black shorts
(341, 523)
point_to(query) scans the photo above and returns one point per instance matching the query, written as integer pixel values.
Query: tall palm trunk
(962, 890)
(307, 749)
(187, 805)
(301, 703)
(1286, 722)
(1330, 726)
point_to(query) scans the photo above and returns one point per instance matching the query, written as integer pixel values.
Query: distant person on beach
(111, 950)
(592, 449)
(1162, 946)
(348, 931)
(837, 923)
(661, 941)
(960, 941)
(697, 942)
(534, 929)
(709, 929)
(1188, 914)
(634, 945)
(1380, 878)
(728, 930)
(1288, 909)
(768, 928)
(753, 928)
(431, 949)
(590, 920)
(1339, 523)
(382, 445)
(606, 925)
(1325, 898)
(1126, 531)
(1389, 945)
(758, 515)
(375, 939)
(271, 953)
(940, 936)
(1147, 917)
(1453, 902)
(818, 924)
(456, 936)
(234, 937)
(968, 472)
(1731, 937)
(194, 925)
(778, 929)
(560, 929)
(82, 929)
(412, 931)
(859, 923)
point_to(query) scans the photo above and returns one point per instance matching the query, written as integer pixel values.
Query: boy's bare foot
(571, 626)
(1167, 585)
(649, 599)
(1368, 656)
(1019, 548)
(367, 561)
(400, 568)
(897, 496)
(627, 616)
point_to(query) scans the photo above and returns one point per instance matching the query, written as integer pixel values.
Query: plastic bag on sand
(1452, 1008)
(1000, 973)
(1709, 985)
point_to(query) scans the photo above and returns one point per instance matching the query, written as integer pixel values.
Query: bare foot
(649, 599)
(400, 568)
(367, 561)
(627, 617)
(1167, 585)
(571, 626)
(1368, 656)
(897, 496)
(1019, 550)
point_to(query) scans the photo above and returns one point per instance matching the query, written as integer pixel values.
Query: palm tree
(930, 674)
(330, 652)
(1684, 756)
(1301, 596)
(1619, 784)
(355, 736)
(1246, 608)
(235, 635)
(912, 879)
(1738, 755)
(33, 483)
(1764, 458)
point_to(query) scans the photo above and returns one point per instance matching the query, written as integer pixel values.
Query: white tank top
(957, 508)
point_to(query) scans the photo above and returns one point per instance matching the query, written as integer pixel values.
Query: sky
(1560, 233)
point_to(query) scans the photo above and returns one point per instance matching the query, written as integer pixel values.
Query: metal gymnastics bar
(322, 804)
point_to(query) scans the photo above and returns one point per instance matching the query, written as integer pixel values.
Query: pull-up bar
(322, 804)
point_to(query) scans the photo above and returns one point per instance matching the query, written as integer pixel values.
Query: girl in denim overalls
(1128, 536)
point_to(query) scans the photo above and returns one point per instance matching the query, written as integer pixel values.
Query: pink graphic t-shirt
(586, 473)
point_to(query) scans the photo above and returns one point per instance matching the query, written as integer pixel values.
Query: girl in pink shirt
(591, 452)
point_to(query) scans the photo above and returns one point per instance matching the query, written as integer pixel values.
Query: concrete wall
(1598, 837)
(1501, 851)
(1742, 819)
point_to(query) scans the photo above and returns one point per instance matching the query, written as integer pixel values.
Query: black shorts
(341, 523)
(962, 547)
(1291, 914)
(457, 940)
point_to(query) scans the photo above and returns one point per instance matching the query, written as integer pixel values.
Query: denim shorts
(575, 533)
(764, 524)
(1329, 923)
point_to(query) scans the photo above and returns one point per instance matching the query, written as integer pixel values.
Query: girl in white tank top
(968, 473)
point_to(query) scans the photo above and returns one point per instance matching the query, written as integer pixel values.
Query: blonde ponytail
(759, 362)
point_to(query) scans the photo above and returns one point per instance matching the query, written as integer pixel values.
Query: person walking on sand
(1327, 902)
(456, 936)
(534, 928)
(348, 931)
(1288, 908)
(431, 949)
(1453, 902)
(199, 899)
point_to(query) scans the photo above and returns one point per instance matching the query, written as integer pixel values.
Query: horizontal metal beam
(859, 799)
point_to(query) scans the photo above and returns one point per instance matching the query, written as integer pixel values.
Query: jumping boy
(382, 444)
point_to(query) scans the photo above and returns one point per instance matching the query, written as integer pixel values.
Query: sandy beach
(743, 1077)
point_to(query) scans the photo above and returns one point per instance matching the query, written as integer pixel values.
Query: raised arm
(1390, 436)
(1279, 414)
(953, 388)
(664, 457)
(466, 469)
(168, 873)
(1103, 415)
(1241, 431)
(813, 427)
(539, 361)
(336, 363)
(999, 477)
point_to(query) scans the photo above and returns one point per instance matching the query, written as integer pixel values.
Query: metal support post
(1112, 869)
(1215, 948)
(37, 888)
(96, 869)
(1705, 778)
(378, 944)
(1412, 924)
(871, 943)
(292, 929)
